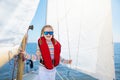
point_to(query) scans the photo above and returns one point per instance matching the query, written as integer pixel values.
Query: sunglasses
(48, 32)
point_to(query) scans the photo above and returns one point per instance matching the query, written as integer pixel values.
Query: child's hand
(22, 52)
(67, 61)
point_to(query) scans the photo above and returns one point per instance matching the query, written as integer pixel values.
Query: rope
(10, 62)
(78, 48)
(59, 37)
(57, 19)
(59, 75)
(15, 61)
(9, 57)
(68, 37)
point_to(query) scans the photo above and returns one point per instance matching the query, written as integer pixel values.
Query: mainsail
(84, 28)
(15, 18)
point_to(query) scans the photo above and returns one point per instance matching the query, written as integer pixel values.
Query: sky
(116, 20)
(39, 20)
(15, 17)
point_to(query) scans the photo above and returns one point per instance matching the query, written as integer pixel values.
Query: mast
(20, 59)
(21, 55)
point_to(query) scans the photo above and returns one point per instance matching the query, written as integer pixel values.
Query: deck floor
(63, 73)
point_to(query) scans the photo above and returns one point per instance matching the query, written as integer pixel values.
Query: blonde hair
(42, 32)
(46, 26)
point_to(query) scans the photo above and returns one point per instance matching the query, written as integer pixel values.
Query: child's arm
(65, 61)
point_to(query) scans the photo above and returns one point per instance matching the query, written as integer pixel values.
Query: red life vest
(45, 52)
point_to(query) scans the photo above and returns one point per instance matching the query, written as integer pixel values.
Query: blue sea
(8, 71)
(117, 60)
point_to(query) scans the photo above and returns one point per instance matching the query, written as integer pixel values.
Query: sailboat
(83, 27)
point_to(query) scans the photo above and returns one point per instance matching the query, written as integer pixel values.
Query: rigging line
(66, 22)
(46, 11)
(57, 18)
(15, 62)
(67, 33)
(78, 47)
(58, 36)
(62, 75)
(79, 37)
(9, 57)
(59, 75)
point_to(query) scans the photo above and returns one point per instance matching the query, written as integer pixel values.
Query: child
(50, 50)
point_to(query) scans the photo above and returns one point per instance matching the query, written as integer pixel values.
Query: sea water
(117, 60)
(8, 71)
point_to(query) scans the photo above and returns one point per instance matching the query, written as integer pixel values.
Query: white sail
(15, 18)
(84, 28)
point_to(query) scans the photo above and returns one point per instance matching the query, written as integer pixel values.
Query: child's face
(48, 33)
